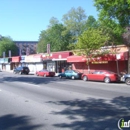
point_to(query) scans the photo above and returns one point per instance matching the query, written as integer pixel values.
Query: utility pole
(126, 39)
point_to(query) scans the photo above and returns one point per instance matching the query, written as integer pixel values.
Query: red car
(45, 73)
(101, 75)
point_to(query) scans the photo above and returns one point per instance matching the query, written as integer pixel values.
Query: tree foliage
(74, 21)
(118, 10)
(91, 22)
(92, 39)
(6, 44)
(56, 36)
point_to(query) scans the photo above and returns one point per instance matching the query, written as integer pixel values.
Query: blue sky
(23, 20)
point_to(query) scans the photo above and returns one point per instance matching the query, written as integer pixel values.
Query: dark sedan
(21, 70)
(73, 74)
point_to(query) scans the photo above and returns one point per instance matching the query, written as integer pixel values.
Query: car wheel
(14, 72)
(72, 77)
(37, 74)
(127, 81)
(85, 78)
(60, 77)
(44, 75)
(107, 80)
(20, 73)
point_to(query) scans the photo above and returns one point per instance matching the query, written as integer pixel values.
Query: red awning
(16, 59)
(76, 59)
(59, 55)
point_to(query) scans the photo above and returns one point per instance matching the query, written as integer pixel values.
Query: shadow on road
(13, 122)
(33, 80)
(94, 114)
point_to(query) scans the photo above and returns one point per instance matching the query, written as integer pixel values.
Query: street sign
(48, 48)
(9, 53)
(3, 54)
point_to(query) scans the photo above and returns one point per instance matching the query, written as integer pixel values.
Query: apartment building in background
(26, 47)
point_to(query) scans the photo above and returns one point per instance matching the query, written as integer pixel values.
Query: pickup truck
(126, 78)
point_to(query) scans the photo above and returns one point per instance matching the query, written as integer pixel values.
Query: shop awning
(16, 59)
(76, 59)
(60, 56)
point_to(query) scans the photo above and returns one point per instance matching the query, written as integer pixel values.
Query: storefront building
(5, 64)
(38, 62)
(15, 62)
(30, 63)
(60, 59)
(112, 62)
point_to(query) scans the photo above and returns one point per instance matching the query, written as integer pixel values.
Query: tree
(53, 21)
(91, 22)
(117, 10)
(126, 39)
(43, 41)
(91, 40)
(56, 36)
(74, 21)
(6, 44)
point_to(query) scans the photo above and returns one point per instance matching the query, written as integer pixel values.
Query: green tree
(91, 22)
(43, 41)
(56, 36)
(6, 44)
(91, 40)
(117, 10)
(74, 21)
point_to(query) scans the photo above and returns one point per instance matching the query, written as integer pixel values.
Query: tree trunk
(128, 60)
(88, 65)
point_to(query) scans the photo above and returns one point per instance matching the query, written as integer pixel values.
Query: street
(29, 102)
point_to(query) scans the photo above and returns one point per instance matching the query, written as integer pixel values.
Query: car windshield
(76, 71)
(110, 72)
(44, 70)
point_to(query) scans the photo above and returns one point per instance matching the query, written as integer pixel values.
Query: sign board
(27, 51)
(9, 53)
(48, 48)
(118, 56)
(3, 54)
(20, 52)
(100, 62)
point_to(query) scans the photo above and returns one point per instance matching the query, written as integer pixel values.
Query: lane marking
(31, 84)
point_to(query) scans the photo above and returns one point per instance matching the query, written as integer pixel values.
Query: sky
(23, 20)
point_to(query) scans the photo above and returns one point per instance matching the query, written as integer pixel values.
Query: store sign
(3, 54)
(48, 48)
(118, 56)
(100, 62)
(1, 60)
(29, 59)
(9, 53)
(22, 59)
(37, 59)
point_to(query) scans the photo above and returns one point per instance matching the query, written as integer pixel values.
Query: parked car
(21, 70)
(73, 74)
(45, 73)
(101, 75)
(126, 78)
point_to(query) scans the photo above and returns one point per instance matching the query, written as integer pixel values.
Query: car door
(94, 76)
(101, 76)
(70, 72)
(41, 73)
(18, 69)
(66, 74)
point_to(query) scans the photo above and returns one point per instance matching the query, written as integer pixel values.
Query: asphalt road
(28, 102)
